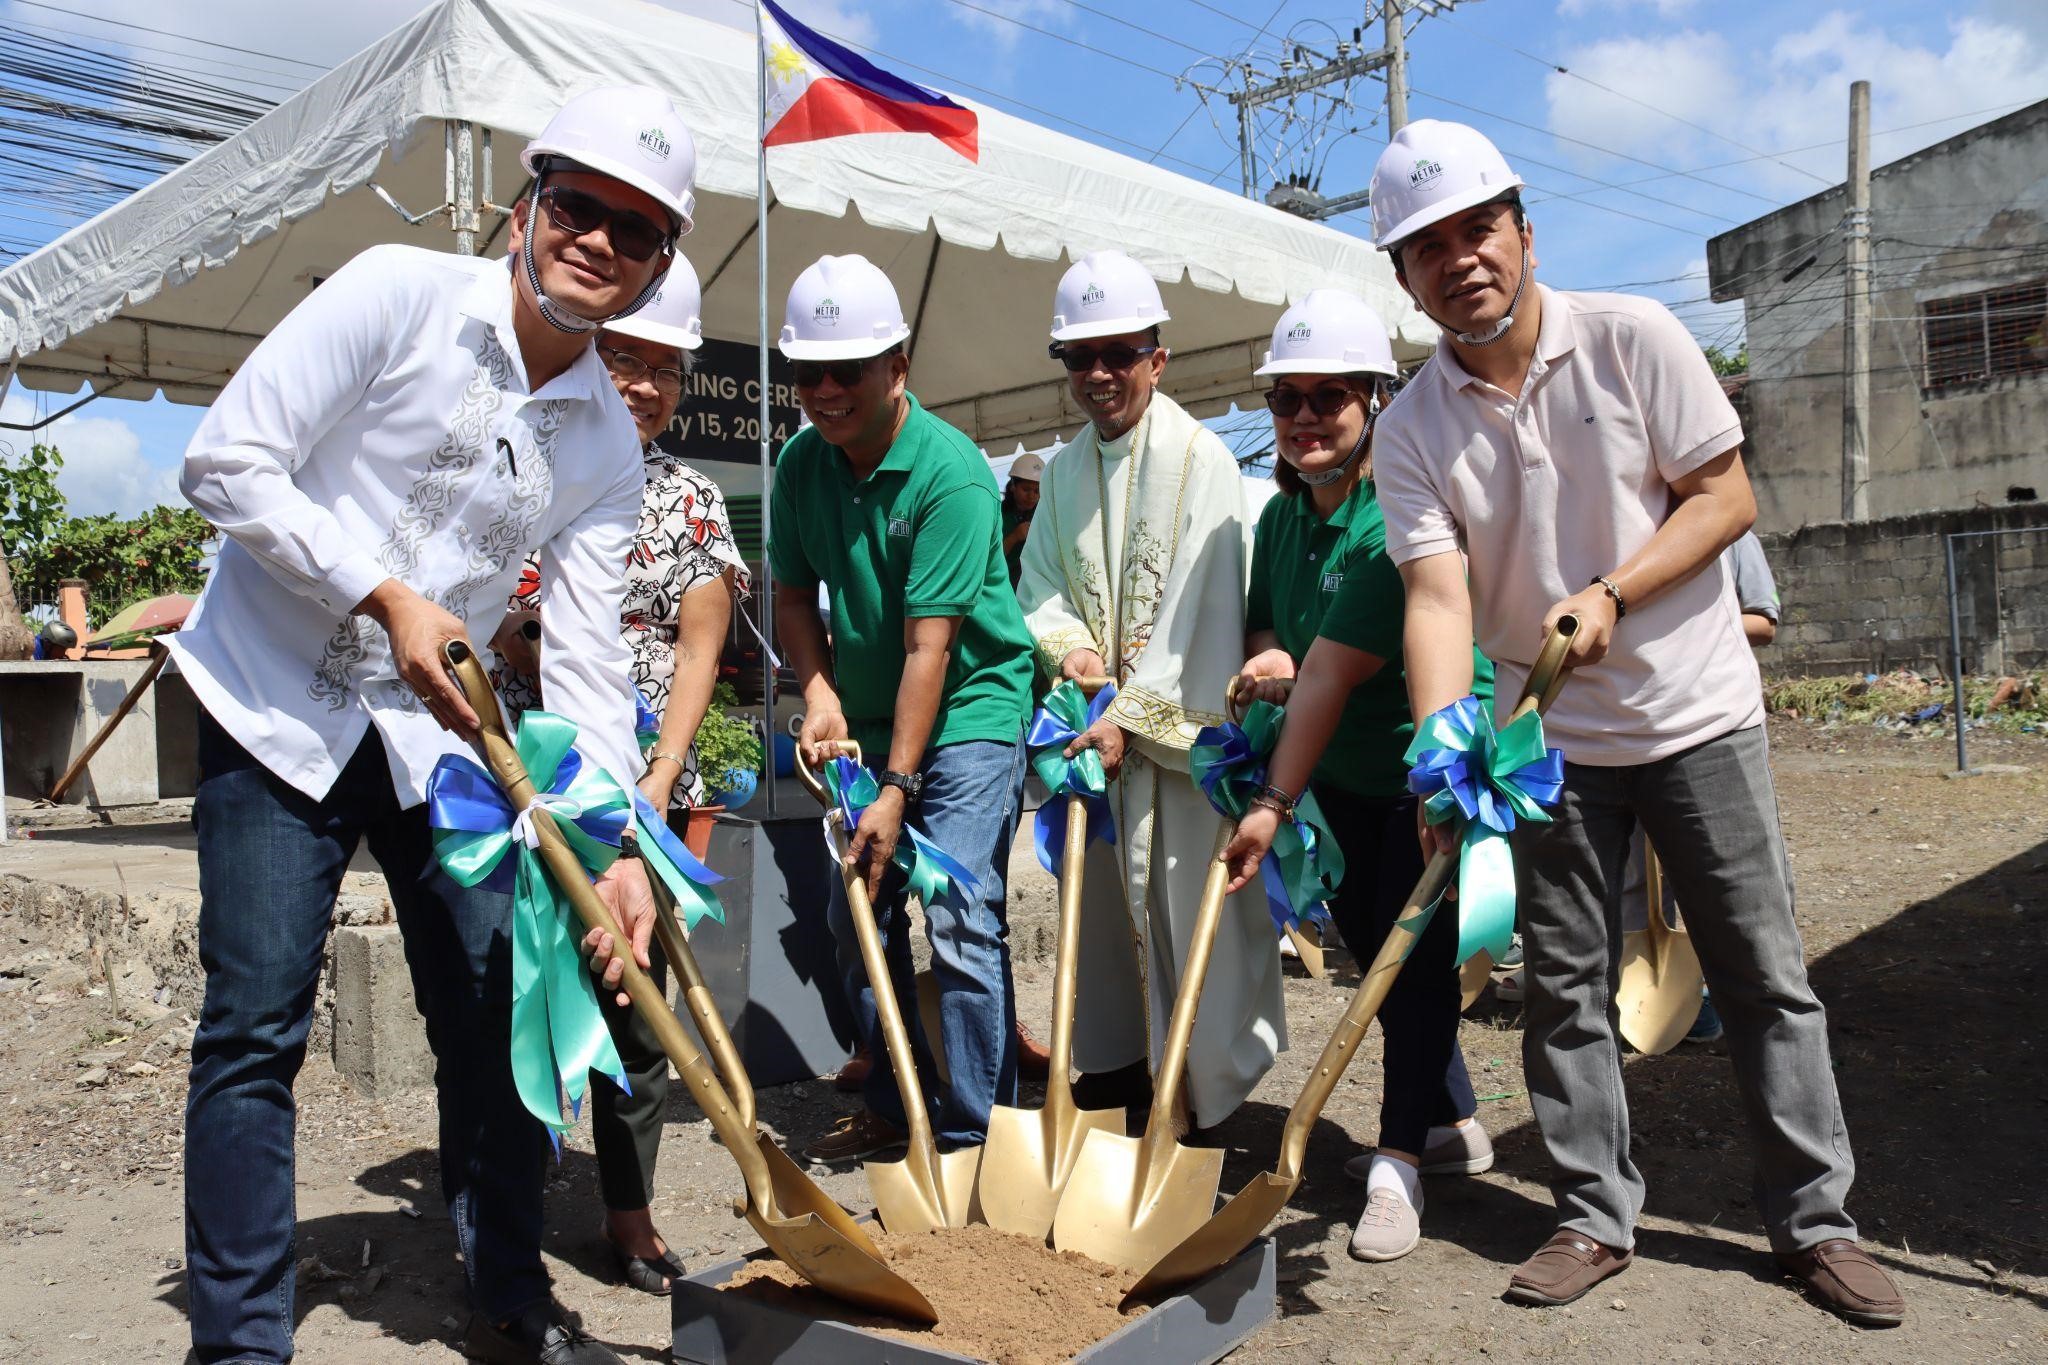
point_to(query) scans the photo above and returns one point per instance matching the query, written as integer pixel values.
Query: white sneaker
(1388, 1229)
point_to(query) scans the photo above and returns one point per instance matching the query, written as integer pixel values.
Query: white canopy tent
(169, 290)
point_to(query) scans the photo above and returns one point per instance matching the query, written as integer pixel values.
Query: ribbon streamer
(1465, 770)
(558, 1034)
(933, 872)
(646, 725)
(1229, 763)
(668, 858)
(1055, 725)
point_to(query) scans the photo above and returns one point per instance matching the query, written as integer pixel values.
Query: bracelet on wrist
(654, 755)
(1273, 799)
(1606, 584)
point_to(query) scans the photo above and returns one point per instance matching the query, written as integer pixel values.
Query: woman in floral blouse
(681, 577)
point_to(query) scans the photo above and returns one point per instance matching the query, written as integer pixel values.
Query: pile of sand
(999, 1297)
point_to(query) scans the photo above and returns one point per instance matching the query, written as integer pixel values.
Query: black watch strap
(911, 784)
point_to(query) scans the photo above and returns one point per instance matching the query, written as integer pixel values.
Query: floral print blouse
(684, 541)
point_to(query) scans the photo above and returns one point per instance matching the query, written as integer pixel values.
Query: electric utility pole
(1304, 70)
(1856, 321)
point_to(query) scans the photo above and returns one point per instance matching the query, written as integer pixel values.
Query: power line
(167, 33)
(1062, 38)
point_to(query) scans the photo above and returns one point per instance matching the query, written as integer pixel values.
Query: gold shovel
(927, 1189)
(1659, 995)
(1029, 1156)
(1131, 1200)
(797, 1221)
(1218, 1241)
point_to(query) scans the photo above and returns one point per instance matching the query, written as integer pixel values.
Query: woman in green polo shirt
(1325, 611)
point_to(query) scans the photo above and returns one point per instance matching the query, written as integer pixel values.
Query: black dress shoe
(542, 1335)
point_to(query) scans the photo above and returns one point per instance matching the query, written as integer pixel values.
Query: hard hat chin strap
(1325, 477)
(556, 316)
(1507, 320)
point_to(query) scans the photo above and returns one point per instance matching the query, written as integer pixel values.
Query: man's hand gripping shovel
(925, 1190)
(797, 1221)
(1218, 1241)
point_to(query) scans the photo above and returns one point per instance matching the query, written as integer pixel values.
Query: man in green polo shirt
(928, 668)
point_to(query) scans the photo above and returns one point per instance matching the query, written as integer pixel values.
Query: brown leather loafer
(1564, 1268)
(1843, 1279)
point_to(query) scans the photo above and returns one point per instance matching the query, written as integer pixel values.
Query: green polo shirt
(918, 537)
(1333, 578)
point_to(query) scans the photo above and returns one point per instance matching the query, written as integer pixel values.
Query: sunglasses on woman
(632, 235)
(1327, 401)
(1115, 357)
(845, 373)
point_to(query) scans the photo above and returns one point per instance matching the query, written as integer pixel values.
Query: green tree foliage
(1726, 363)
(121, 559)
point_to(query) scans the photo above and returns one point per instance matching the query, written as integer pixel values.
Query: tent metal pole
(462, 214)
(767, 428)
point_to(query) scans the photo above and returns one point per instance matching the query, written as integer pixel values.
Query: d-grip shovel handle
(571, 878)
(1545, 678)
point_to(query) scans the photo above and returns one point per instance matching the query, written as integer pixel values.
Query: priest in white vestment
(1135, 568)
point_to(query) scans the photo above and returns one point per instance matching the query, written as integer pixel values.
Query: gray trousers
(1712, 815)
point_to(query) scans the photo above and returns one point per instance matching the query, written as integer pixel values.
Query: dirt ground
(1923, 902)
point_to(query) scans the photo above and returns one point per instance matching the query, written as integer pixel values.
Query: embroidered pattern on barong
(427, 505)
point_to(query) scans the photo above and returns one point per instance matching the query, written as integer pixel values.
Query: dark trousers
(626, 1129)
(271, 861)
(1425, 1083)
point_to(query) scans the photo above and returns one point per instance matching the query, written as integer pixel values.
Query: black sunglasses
(1327, 401)
(1115, 357)
(845, 373)
(632, 235)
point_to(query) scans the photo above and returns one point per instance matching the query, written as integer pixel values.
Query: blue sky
(1651, 140)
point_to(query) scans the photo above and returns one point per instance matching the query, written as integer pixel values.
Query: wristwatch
(910, 784)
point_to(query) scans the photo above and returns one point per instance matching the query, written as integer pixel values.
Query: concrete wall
(1965, 215)
(1872, 596)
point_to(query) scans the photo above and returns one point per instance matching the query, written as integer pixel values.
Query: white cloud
(1666, 9)
(105, 469)
(1789, 94)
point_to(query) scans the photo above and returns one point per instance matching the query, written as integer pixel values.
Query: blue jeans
(271, 861)
(1426, 1084)
(972, 795)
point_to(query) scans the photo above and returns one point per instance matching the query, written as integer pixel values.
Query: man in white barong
(1135, 569)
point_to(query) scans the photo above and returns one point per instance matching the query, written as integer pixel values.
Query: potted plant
(728, 761)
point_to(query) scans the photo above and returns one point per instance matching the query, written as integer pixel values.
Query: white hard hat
(1331, 331)
(631, 133)
(673, 317)
(1030, 465)
(841, 308)
(1105, 294)
(1431, 170)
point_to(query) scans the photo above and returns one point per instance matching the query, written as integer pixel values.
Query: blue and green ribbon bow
(1464, 769)
(1229, 764)
(558, 1035)
(646, 725)
(1055, 725)
(933, 872)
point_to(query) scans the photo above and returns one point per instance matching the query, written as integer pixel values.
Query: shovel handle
(1545, 677)
(570, 877)
(1235, 711)
(808, 775)
(675, 945)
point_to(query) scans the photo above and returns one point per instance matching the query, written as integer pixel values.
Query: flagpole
(767, 467)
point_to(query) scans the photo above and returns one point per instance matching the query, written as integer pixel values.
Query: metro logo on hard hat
(1331, 331)
(841, 308)
(655, 143)
(1105, 294)
(1431, 170)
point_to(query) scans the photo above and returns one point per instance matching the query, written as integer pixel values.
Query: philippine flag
(818, 89)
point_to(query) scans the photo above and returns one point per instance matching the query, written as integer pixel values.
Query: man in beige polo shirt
(1578, 451)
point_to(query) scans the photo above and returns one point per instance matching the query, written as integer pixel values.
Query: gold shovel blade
(1219, 1241)
(1123, 1210)
(1035, 1155)
(1658, 996)
(911, 1197)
